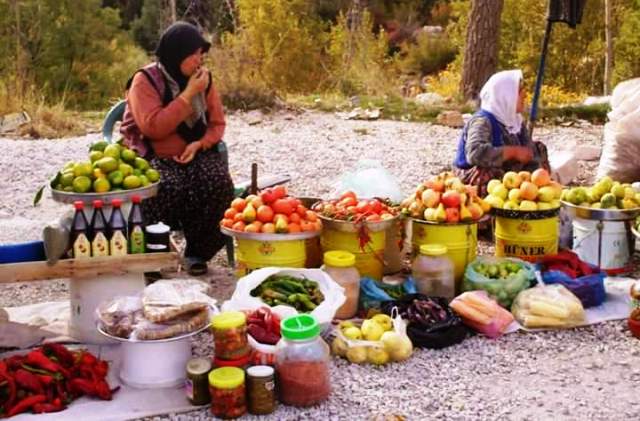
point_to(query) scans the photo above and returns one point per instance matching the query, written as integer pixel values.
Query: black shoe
(195, 266)
(151, 277)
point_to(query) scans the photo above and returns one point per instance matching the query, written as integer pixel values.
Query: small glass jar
(261, 390)
(227, 389)
(433, 272)
(302, 362)
(197, 383)
(243, 363)
(230, 335)
(341, 267)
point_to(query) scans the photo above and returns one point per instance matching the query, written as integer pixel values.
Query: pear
(465, 214)
(249, 214)
(281, 225)
(441, 214)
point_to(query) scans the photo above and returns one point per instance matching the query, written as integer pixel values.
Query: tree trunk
(481, 48)
(172, 10)
(354, 21)
(608, 58)
(20, 76)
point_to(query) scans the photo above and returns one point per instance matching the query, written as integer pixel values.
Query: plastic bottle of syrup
(99, 235)
(136, 228)
(80, 245)
(117, 230)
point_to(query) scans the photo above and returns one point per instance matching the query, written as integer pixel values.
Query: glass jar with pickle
(230, 335)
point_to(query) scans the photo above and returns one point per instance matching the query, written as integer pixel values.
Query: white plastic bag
(333, 293)
(370, 179)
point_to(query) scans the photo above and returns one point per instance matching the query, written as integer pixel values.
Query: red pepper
(26, 404)
(82, 387)
(87, 359)
(103, 391)
(101, 368)
(41, 408)
(38, 359)
(28, 381)
(44, 379)
(63, 355)
(13, 391)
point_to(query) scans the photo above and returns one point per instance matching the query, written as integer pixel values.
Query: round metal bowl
(527, 215)
(348, 226)
(258, 236)
(88, 198)
(601, 214)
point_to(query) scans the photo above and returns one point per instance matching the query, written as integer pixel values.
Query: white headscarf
(499, 96)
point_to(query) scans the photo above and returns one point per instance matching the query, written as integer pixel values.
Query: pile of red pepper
(48, 378)
(264, 326)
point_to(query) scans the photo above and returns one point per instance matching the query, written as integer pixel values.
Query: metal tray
(157, 341)
(347, 226)
(527, 215)
(269, 237)
(88, 198)
(601, 214)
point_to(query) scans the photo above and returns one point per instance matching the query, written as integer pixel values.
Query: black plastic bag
(437, 335)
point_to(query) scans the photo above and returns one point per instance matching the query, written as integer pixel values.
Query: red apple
(453, 214)
(451, 199)
(435, 183)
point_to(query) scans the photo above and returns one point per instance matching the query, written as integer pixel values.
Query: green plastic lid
(299, 327)
(433, 249)
(339, 259)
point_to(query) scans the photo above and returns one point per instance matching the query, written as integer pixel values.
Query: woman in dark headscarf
(179, 123)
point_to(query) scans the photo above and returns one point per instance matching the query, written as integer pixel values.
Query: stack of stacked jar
(302, 368)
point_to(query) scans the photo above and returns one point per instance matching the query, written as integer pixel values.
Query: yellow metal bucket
(256, 254)
(369, 258)
(526, 239)
(461, 241)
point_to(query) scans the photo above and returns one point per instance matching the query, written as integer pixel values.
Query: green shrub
(429, 54)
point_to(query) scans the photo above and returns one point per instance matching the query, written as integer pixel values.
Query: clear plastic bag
(370, 179)
(518, 276)
(548, 306)
(481, 313)
(394, 345)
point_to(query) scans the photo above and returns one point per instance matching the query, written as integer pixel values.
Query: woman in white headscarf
(495, 140)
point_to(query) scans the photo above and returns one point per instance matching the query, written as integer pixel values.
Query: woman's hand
(197, 83)
(521, 154)
(189, 152)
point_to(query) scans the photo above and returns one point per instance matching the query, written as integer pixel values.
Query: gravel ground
(578, 374)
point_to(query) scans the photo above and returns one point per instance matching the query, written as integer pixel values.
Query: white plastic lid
(158, 228)
(260, 371)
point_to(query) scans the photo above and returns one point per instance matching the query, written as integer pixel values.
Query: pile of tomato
(349, 208)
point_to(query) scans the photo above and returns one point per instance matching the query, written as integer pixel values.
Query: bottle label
(136, 240)
(188, 388)
(100, 245)
(118, 244)
(81, 247)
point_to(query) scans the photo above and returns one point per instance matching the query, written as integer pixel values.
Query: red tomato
(363, 207)
(279, 192)
(230, 213)
(294, 202)
(227, 223)
(307, 226)
(348, 201)
(293, 227)
(282, 206)
(265, 214)
(251, 228)
(267, 196)
(238, 217)
(238, 226)
(376, 206)
(348, 194)
(311, 216)
(302, 211)
(238, 204)
(294, 218)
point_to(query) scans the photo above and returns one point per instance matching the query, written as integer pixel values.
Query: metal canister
(261, 389)
(197, 383)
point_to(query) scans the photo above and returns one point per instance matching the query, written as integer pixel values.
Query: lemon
(144, 180)
(128, 155)
(141, 164)
(69, 165)
(81, 184)
(108, 164)
(82, 168)
(101, 185)
(98, 174)
(113, 151)
(152, 175)
(99, 146)
(377, 356)
(339, 347)
(66, 179)
(137, 172)
(116, 177)
(357, 354)
(95, 155)
(131, 182)
(68, 188)
(126, 169)
(383, 320)
(371, 330)
(352, 333)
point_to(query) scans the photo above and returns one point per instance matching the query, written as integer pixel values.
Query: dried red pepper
(26, 404)
(28, 381)
(39, 359)
(62, 354)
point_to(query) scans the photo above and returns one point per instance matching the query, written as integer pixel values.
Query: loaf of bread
(187, 323)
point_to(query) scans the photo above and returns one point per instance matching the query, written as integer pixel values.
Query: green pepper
(273, 294)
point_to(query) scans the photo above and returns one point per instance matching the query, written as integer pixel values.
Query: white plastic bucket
(88, 293)
(157, 364)
(615, 243)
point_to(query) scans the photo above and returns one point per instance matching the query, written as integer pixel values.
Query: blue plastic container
(31, 251)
